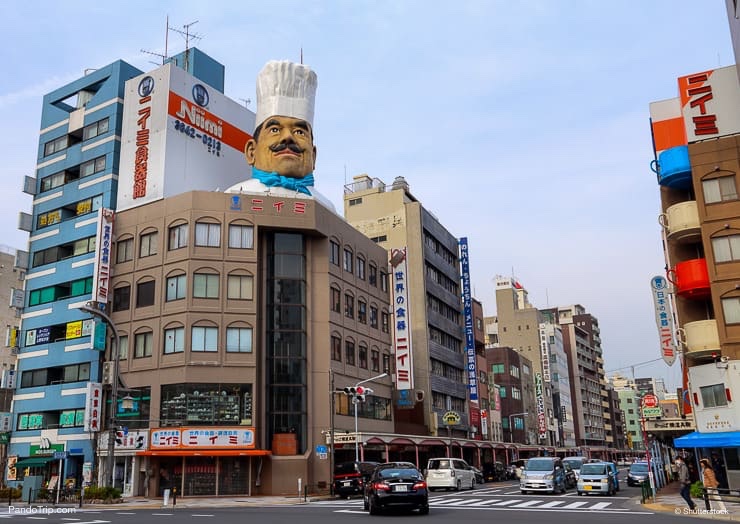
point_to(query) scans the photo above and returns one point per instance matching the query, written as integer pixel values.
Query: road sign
(649, 401)
(321, 449)
(59, 455)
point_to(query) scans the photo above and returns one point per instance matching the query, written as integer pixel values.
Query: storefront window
(206, 404)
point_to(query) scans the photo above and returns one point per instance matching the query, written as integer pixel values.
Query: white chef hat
(286, 89)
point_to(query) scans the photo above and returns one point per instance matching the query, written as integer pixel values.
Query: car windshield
(393, 473)
(574, 463)
(638, 468)
(344, 468)
(539, 465)
(593, 469)
(439, 464)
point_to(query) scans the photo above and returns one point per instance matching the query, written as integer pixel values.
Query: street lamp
(511, 427)
(355, 400)
(95, 309)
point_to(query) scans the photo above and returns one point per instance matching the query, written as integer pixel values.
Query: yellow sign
(451, 418)
(74, 329)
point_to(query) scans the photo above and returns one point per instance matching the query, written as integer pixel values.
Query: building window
(55, 180)
(205, 285)
(239, 287)
(333, 252)
(178, 236)
(386, 363)
(502, 391)
(348, 260)
(355, 201)
(204, 339)
(713, 396)
(516, 393)
(372, 275)
(124, 250)
(122, 298)
(145, 294)
(383, 281)
(336, 348)
(96, 165)
(361, 268)
(349, 352)
(336, 300)
(498, 369)
(238, 340)
(726, 248)
(207, 235)
(241, 237)
(731, 310)
(362, 311)
(148, 245)
(362, 354)
(176, 287)
(719, 189)
(123, 347)
(385, 322)
(174, 340)
(375, 360)
(349, 306)
(143, 345)
(95, 129)
(514, 371)
(374, 317)
(56, 145)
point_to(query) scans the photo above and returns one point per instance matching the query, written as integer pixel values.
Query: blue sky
(521, 125)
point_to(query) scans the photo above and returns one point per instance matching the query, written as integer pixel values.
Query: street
(472, 505)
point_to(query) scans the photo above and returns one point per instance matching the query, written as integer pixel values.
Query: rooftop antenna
(246, 101)
(166, 34)
(188, 36)
(301, 56)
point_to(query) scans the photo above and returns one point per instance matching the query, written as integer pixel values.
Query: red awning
(206, 453)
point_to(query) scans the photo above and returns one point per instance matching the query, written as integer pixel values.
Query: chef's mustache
(295, 148)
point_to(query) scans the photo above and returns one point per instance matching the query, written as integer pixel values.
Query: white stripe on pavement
(527, 504)
(485, 502)
(444, 501)
(507, 502)
(553, 504)
(464, 502)
(574, 505)
(601, 505)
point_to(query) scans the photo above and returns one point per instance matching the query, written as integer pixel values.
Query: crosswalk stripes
(483, 503)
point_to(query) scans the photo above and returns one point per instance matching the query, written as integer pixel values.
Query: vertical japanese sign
(103, 244)
(545, 354)
(663, 318)
(541, 422)
(402, 324)
(468, 314)
(709, 103)
(93, 407)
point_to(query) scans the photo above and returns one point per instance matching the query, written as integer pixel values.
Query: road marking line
(527, 504)
(507, 502)
(553, 504)
(349, 511)
(445, 501)
(200, 515)
(601, 505)
(485, 502)
(574, 505)
(462, 502)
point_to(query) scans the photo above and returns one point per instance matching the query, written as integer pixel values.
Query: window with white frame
(204, 339)
(713, 396)
(726, 248)
(174, 340)
(241, 237)
(207, 234)
(240, 287)
(719, 189)
(176, 287)
(238, 340)
(205, 285)
(731, 310)
(178, 236)
(96, 128)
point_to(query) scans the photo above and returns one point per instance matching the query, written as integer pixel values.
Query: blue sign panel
(468, 314)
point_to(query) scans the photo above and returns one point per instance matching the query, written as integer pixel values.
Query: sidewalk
(669, 500)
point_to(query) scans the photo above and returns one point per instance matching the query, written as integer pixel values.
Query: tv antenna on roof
(246, 101)
(188, 36)
(166, 33)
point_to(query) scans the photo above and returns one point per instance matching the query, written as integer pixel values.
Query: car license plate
(346, 483)
(400, 488)
(587, 488)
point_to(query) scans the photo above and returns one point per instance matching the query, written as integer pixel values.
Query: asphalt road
(483, 504)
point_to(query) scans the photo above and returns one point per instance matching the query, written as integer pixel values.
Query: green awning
(33, 462)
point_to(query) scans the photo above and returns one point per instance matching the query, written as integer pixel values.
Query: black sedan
(396, 485)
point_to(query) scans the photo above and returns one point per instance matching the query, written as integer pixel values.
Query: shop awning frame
(206, 453)
(723, 439)
(32, 462)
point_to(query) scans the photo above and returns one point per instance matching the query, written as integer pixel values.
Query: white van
(449, 473)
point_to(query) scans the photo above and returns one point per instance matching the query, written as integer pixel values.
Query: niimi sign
(402, 324)
(468, 314)
(103, 245)
(663, 318)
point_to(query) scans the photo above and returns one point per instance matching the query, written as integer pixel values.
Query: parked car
(350, 477)
(596, 477)
(543, 474)
(638, 473)
(396, 485)
(449, 473)
(575, 463)
(494, 471)
(514, 470)
(479, 478)
(570, 476)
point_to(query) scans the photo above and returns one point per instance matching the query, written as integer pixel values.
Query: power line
(636, 365)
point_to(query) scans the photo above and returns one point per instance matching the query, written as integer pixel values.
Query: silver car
(543, 474)
(596, 477)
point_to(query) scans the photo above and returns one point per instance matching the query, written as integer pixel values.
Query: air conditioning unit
(107, 373)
